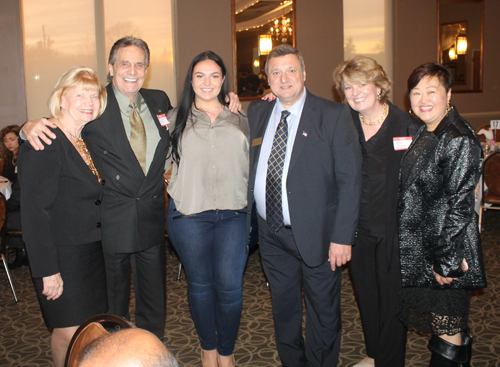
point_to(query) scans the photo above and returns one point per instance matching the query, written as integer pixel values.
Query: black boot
(445, 354)
(467, 343)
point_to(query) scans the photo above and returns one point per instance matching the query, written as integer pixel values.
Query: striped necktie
(274, 202)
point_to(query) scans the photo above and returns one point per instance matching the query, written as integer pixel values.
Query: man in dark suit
(305, 179)
(129, 146)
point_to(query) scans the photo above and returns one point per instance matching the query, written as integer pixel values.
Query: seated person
(9, 151)
(127, 348)
(14, 224)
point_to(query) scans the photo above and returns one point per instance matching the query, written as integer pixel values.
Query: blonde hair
(361, 69)
(78, 75)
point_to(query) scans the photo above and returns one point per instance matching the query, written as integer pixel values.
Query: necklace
(84, 152)
(382, 118)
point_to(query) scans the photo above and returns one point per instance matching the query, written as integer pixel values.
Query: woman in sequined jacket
(440, 246)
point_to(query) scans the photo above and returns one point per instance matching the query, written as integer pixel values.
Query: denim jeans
(212, 248)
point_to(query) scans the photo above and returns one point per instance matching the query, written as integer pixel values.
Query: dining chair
(90, 330)
(490, 188)
(3, 238)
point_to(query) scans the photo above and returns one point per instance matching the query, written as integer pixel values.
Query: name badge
(163, 120)
(256, 141)
(402, 142)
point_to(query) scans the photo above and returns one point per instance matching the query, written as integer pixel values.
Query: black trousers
(376, 285)
(149, 276)
(288, 277)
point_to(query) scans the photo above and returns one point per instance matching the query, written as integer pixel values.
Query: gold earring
(379, 96)
(448, 108)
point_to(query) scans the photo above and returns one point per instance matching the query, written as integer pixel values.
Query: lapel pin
(304, 133)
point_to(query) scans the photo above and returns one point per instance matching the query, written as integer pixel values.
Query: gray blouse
(213, 170)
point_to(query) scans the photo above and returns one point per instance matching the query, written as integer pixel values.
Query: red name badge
(163, 120)
(402, 142)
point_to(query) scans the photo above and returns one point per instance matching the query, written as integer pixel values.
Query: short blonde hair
(361, 69)
(78, 75)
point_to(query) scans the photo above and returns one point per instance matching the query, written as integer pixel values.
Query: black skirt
(84, 287)
(435, 311)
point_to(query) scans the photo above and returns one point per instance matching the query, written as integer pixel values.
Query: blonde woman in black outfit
(61, 218)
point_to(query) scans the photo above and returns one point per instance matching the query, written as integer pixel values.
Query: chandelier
(282, 29)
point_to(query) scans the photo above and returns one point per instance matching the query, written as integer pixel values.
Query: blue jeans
(212, 248)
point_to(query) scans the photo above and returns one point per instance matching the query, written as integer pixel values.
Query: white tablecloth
(5, 187)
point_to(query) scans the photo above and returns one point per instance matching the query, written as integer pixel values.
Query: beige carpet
(24, 341)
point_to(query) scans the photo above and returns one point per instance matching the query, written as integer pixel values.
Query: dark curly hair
(9, 158)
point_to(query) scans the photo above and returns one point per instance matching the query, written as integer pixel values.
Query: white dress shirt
(267, 143)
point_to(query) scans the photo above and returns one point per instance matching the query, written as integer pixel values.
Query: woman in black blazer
(440, 246)
(384, 133)
(61, 212)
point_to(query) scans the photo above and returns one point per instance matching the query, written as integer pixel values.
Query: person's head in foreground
(128, 348)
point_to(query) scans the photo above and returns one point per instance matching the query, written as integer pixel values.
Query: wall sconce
(265, 44)
(256, 63)
(461, 45)
(452, 53)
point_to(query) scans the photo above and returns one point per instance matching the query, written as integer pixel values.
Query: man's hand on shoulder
(37, 131)
(339, 255)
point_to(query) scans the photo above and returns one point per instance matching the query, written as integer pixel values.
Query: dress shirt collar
(124, 102)
(200, 115)
(296, 109)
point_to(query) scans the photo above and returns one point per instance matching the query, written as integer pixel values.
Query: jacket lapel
(307, 119)
(422, 159)
(156, 110)
(115, 129)
(260, 122)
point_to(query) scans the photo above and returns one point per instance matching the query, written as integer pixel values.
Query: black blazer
(60, 203)
(324, 177)
(438, 225)
(133, 212)
(399, 124)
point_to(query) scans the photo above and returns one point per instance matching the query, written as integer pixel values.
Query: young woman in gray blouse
(206, 218)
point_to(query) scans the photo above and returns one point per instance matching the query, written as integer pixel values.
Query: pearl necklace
(382, 118)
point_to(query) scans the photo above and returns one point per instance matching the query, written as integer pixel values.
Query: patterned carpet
(24, 340)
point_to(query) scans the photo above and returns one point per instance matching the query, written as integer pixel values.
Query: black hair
(431, 69)
(187, 99)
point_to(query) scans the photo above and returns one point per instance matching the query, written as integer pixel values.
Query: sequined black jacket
(436, 217)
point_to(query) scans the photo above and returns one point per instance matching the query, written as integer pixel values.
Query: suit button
(154, 197)
(103, 182)
(137, 199)
(105, 152)
(98, 202)
(117, 177)
(98, 224)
